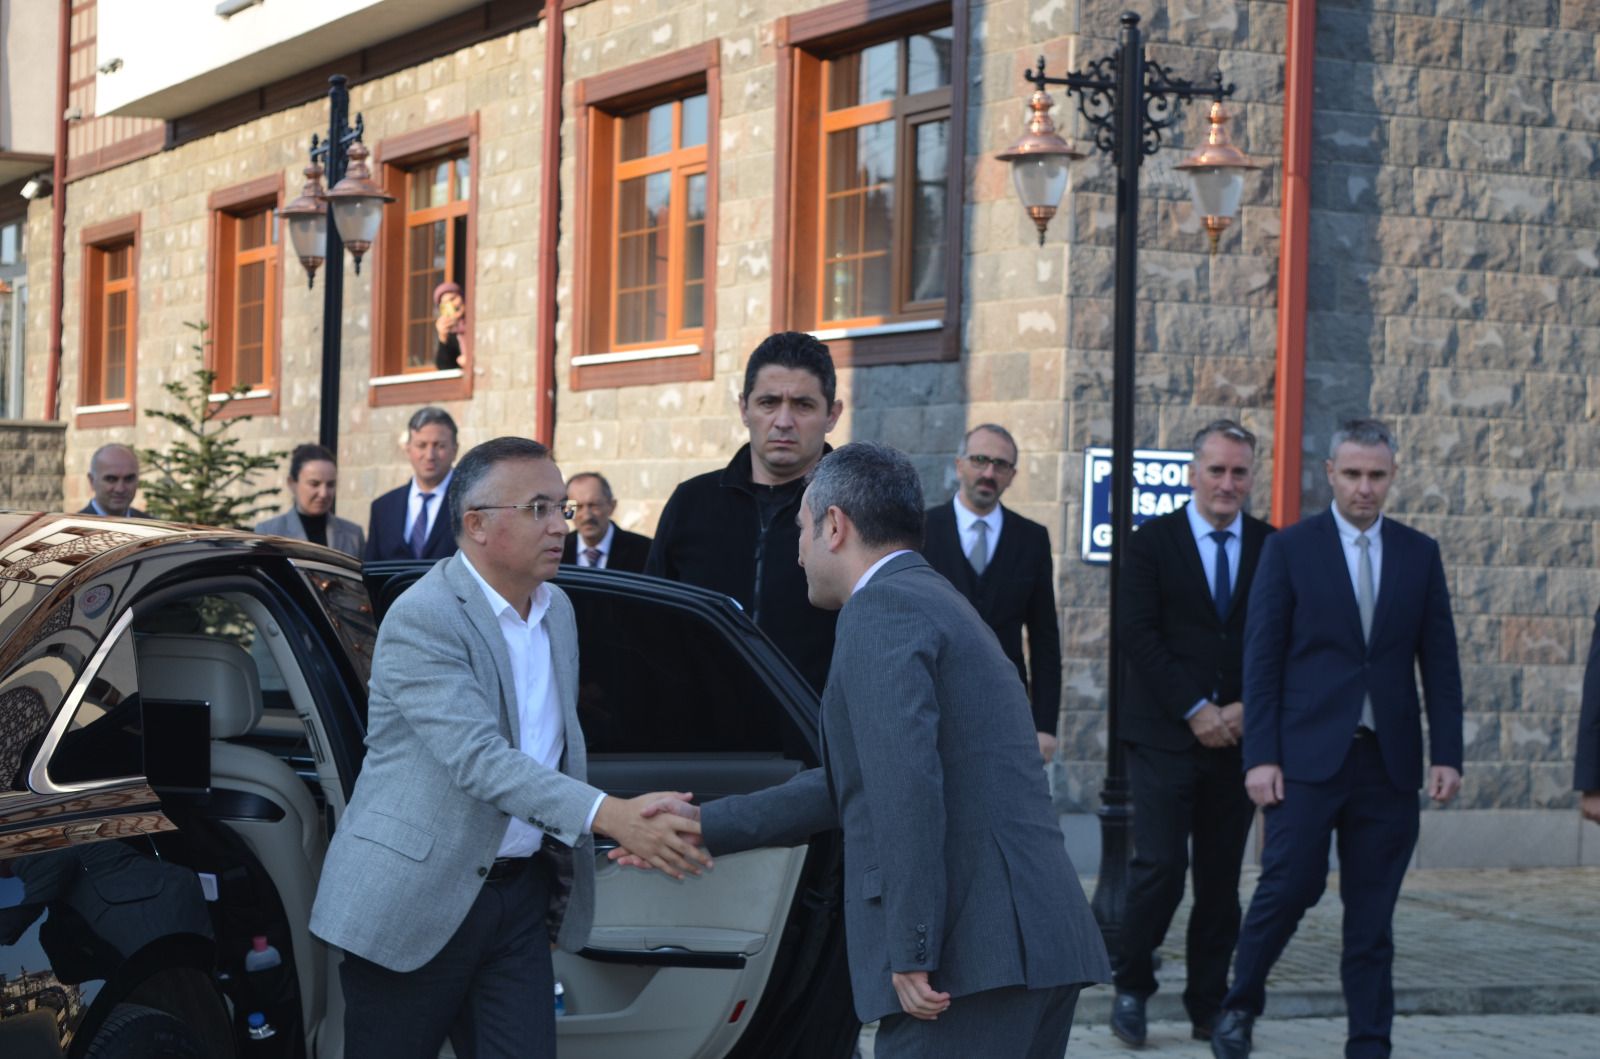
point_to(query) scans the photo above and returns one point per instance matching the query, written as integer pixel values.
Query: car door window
(102, 740)
(654, 679)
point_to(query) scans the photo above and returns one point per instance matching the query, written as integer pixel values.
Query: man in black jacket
(733, 530)
(1001, 562)
(1182, 620)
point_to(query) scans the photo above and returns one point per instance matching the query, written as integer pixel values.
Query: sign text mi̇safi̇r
(1160, 485)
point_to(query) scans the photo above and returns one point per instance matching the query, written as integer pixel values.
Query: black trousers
(1179, 796)
(490, 990)
(1377, 828)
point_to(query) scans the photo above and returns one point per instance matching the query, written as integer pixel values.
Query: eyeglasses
(541, 509)
(598, 505)
(1000, 466)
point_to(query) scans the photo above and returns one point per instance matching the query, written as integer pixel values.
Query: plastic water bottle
(261, 957)
(561, 1000)
(258, 1026)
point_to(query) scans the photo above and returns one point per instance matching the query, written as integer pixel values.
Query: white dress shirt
(542, 731)
(1202, 531)
(1352, 551)
(875, 567)
(604, 548)
(1348, 535)
(414, 505)
(966, 519)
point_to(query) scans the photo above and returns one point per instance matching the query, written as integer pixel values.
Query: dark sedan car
(181, 723)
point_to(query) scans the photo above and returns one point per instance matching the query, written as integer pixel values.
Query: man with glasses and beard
(1001, 562)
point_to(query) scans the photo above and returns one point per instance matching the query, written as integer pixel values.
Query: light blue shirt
(435, 503)
(1202, 531)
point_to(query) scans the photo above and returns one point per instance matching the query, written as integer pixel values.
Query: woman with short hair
(313, 482)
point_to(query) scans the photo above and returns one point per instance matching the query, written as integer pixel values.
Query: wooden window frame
(804, 42)
(94, 242)
(600, 102)
(393, 159)
(225, 206)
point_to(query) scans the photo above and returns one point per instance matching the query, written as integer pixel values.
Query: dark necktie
(419, 528)
(593, 555)
(1222, 587)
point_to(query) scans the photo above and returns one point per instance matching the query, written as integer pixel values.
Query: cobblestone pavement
(1415, 1037)
(1467, 941)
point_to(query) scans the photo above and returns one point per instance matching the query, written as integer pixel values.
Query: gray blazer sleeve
(785, 815)
(455, 717)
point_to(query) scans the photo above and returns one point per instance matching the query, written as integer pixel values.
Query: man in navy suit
(405, 522)
(114, 477)
(1001, 562)
(1347, 608)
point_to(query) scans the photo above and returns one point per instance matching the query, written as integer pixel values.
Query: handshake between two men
(655, 831)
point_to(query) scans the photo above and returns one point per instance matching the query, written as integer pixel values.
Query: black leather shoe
(1230, 1035)
(1127, 1019)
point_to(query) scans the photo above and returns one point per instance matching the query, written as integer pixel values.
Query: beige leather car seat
(202, 668)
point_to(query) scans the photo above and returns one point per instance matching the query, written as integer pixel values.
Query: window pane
(858, 221)
(694, 121)
(647, 133)
(426, 258)
(463, 178)
(865, 76)
(9, 243)
(430, 186)
(253, 230)
(251, 335)
(928, 60)
(117, 261)
(116, 369)
(694, 252)
(928, 211)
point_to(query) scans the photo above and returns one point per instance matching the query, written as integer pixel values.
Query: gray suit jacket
(343, 534)
(443, 776)
(954, 863)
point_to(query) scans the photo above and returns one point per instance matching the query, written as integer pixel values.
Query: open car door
(678, 690)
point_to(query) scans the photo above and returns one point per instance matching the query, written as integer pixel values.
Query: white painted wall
(28, 75)
(188, 57)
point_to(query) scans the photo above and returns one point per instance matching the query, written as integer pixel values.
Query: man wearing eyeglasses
(467, 849)
(1001, 562)
(599, 542)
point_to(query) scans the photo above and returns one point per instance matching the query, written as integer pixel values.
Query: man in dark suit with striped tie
(405, 522)
(1002, 563)
(1182, 619)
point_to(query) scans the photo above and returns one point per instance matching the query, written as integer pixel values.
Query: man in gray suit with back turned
(466, 849)
(968, 933)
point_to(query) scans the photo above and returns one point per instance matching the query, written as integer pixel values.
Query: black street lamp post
(356, 204)
(1128, 100)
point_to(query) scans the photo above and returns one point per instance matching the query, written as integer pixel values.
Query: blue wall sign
(1160, 485)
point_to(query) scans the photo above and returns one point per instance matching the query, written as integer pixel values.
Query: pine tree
(205, 476)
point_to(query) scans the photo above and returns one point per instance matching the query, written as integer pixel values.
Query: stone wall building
(1453, 235)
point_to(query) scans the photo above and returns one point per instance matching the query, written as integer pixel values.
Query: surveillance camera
(36, 188)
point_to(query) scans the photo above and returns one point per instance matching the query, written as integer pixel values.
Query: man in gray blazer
(967, 931)
(466, 846)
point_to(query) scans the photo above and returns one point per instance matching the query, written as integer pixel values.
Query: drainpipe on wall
(58, 215)
(544, 334)
(1293, 246)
